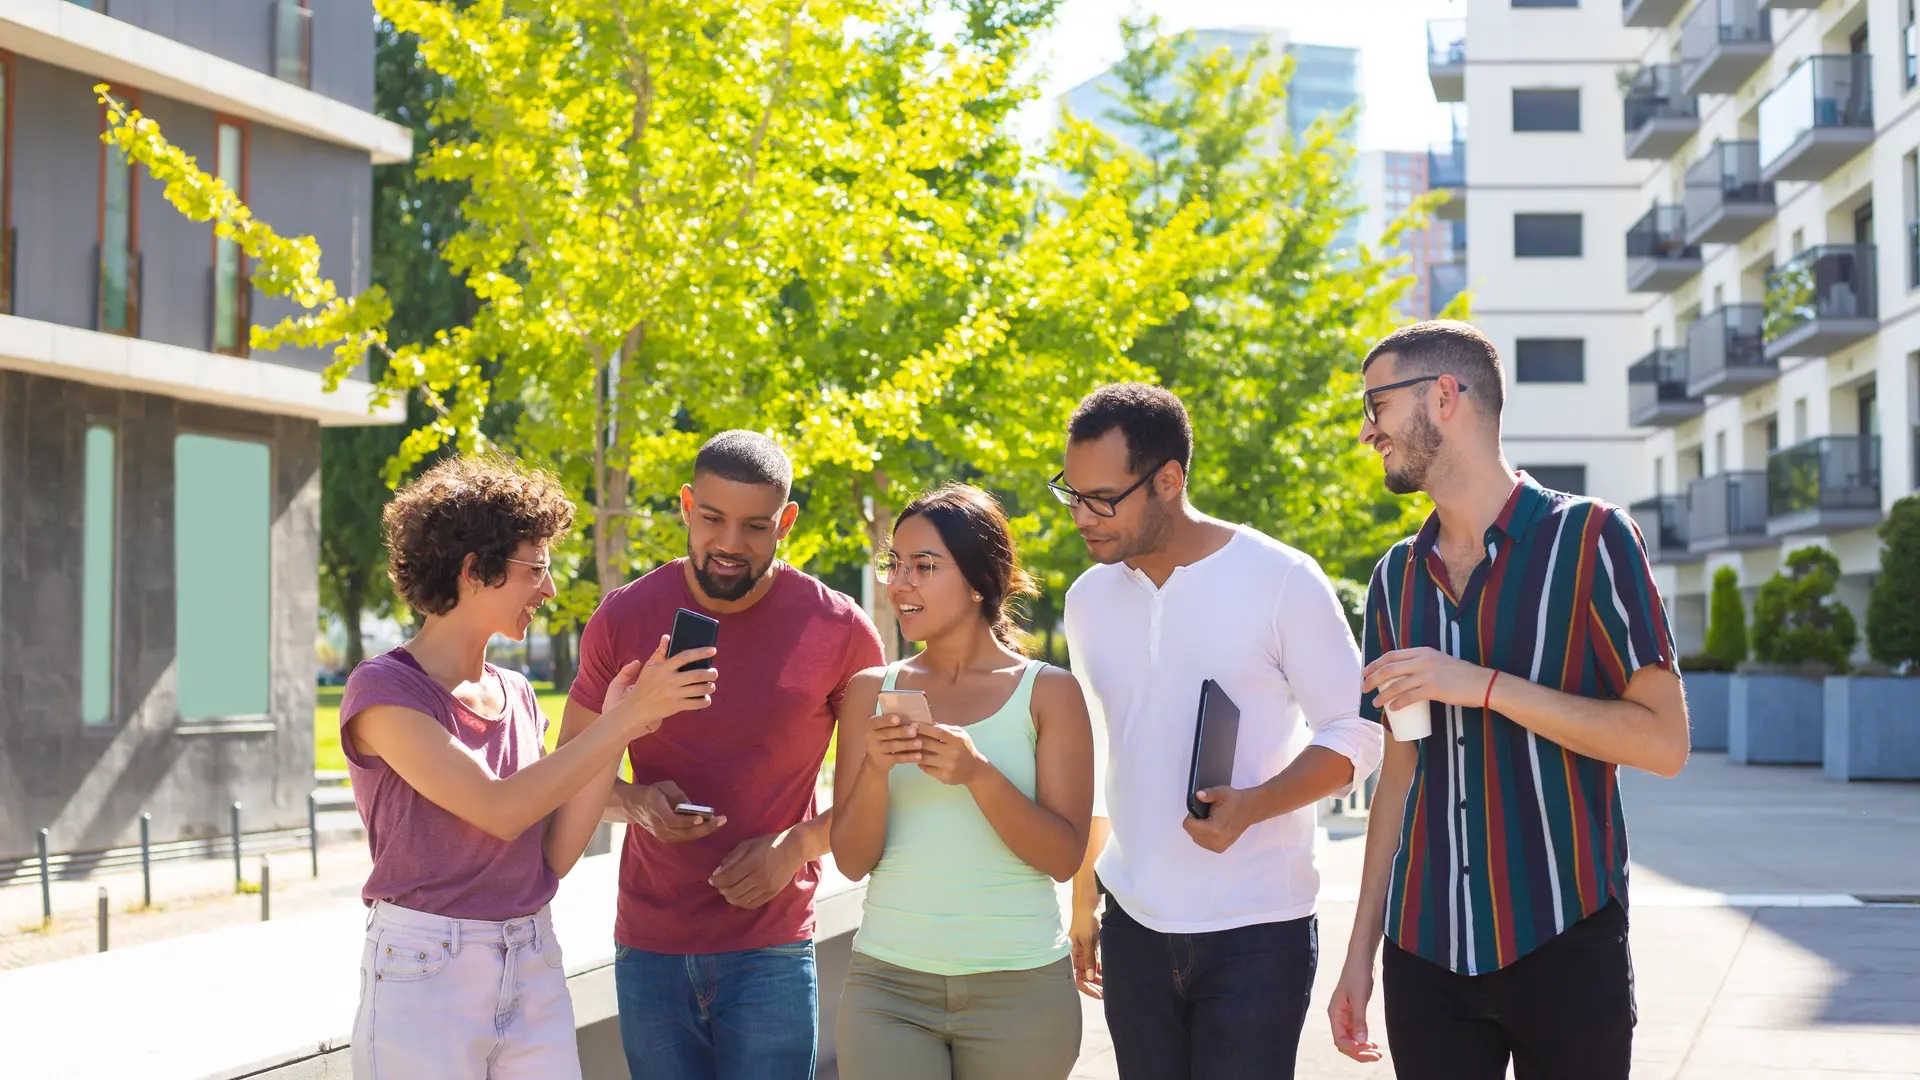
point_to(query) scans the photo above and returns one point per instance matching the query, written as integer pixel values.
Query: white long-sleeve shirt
(1260, 619)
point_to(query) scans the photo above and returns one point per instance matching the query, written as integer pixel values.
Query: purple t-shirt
(424, 857)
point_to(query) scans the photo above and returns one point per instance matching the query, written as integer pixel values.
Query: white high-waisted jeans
(462, 999)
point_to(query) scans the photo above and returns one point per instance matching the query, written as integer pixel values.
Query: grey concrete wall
(242, 31)
(89, 784)
(300, 186)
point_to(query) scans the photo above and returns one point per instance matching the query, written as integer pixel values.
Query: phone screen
(911, 704)
(692, 630)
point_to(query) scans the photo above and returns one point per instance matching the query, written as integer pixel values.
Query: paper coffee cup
(1408, 722)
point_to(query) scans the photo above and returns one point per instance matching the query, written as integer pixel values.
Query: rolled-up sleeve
(1322, 666)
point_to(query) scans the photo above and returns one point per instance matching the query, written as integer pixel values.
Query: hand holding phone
(894, 735)
(694, 810)
(692, 630)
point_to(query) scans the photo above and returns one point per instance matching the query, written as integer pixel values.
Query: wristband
(1486, 704)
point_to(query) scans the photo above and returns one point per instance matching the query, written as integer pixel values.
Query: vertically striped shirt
(1508, 837)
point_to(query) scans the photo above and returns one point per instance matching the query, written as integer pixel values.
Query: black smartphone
(687, 809)
(692, 630)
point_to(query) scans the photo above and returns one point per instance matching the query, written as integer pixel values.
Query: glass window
(119, 264)
(1909, 44)
(1571, 479)
(229, 306)
(1550, 360)
(1546, 3)
(97, 578)
(1546, 110)
(222, 536)
(6, 211)
(1546, 236)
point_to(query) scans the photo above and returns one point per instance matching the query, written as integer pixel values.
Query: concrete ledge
(120, 53)
(1872, 728)
(1775, 720)
(124, 363)
(1707, 693)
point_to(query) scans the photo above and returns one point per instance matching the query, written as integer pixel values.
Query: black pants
(1227, 1005)
(1563, 1012)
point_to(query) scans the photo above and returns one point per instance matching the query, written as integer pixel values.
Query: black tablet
(1215, 732)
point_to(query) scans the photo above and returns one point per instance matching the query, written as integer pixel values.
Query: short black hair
(1150, 418)
(1446, 347)
(746, 457)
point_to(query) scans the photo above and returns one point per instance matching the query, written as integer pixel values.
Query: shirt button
(1460, 740)
(1463, 804)
(1465, 870)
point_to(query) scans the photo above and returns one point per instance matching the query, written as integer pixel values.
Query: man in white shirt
(1206, 954)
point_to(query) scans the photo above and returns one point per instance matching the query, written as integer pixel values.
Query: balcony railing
(1722, 43)
(1663, 524)
(1657, 390)
(1726, 353)
(1445, 281)
(1659, 259)
(1825, 298)
(1819, 116)
(1660, 116)
(6, 271)
(1447, 171)
(1831, 482)
(1727, 511)
(1650, 13)
(1726, 198)
(117, 291)
(292, 42)
(1913, 262)
(1447, 59)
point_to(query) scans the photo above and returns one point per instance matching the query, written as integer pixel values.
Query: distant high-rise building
(1389, 181)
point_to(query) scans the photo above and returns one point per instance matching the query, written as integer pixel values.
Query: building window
(293, 42)
(119, 275)
(230, 290)
(97, 577)
(1546, 110)
(222, 537)
(6, 186)
(1909, 45)
(1571, 479)
(1546, 3)
(1546, 236)
(1910, 175)
(1550, 360)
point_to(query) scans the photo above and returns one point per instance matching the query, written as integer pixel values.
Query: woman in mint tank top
(963, 827)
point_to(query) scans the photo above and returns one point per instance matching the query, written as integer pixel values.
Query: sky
(1399, 110)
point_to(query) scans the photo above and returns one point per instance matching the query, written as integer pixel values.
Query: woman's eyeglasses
(889, 567)
(542, 571)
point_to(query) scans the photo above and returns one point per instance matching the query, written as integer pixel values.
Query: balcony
(1447, 59)
(292, 43)
(1447, 171)
(1657, 390)
(1789, 5)
(1726, 198)
(1660, 116)
(1818, 118)
(1663, 525)
(6, 271)
(1650, 13)
(1726, 353)
(1727, 511)
(1825, 299)
(1659, 259)
(1824, 484)
(1722, 44)
(1444, 282)
(117, 291)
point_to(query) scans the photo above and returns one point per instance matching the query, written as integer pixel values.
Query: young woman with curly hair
(470, 824)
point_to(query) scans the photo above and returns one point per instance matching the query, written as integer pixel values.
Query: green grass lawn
(326, 723)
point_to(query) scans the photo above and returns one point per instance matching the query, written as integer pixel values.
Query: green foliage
(1796, 618)
(1353, 604)
(1726, 621)
(1789, 299)
(1698, 663)
(1893, 611)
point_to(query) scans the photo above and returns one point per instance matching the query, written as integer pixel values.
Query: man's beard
(722, 589)
(1156, 528)
(1413, 454)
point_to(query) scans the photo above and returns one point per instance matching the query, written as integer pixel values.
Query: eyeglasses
(543, 571)
(1101, 505)
(889, 567)
(1371, 409)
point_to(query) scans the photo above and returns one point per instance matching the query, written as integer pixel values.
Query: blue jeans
(1227, 1005)
(749, 1015)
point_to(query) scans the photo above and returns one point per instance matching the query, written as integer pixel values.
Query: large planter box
(1775, 720)
(1872, 728)
(1707, 694)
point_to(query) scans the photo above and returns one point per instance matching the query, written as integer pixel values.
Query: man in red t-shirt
(714, 967)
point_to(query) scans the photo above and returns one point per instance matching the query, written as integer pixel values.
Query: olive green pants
(897, 1024)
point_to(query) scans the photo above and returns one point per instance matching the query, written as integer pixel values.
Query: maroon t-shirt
(753, 755)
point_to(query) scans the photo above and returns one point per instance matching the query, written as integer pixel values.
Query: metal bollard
(266, 889)
(103, 918)
(46, 885)
(313, 831)
(238, 877)
(146, 860)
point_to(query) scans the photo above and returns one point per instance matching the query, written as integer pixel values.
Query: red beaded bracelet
(1487, 703)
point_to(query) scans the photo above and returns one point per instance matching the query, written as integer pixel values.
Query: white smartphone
(908, 704)
(692, 809)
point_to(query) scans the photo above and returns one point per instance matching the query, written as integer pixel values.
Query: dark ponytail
(974, 528)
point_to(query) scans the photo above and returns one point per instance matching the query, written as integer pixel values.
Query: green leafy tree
(1796, 618)
(1893, 611)
(1726, 621)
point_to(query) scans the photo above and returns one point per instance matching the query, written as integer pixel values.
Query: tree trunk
(560, 644)
(353, 605)
(879, 534)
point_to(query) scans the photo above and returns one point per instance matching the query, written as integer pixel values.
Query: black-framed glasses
(1371, 409)
(1101, 505)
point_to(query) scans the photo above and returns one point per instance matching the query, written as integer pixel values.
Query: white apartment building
(1764, 357)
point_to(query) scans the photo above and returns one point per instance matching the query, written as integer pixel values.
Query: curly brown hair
(469, 505)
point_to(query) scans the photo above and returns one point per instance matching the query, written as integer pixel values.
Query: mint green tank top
(948, 896)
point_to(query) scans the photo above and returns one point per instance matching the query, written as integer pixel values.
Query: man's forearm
(1317, 773)
(1086, 892)
(1383, 839)
(1620, 731)
(813, 836)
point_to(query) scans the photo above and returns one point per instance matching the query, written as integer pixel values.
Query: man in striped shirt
(1526, 623)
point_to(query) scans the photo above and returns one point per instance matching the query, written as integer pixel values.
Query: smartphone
(692, 630)
(909, 704)
(693, 809)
